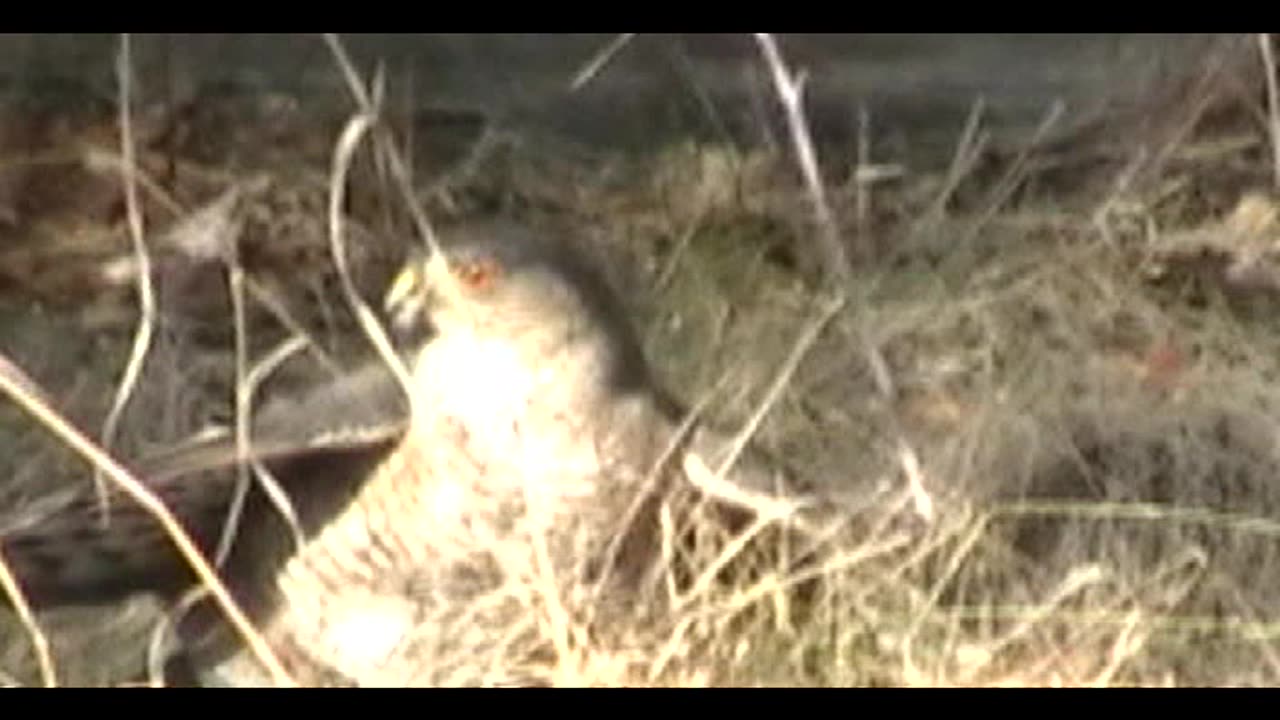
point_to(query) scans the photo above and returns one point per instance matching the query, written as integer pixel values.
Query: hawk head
(504, 299)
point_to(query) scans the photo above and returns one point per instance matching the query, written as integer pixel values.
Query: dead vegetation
(1077, 338)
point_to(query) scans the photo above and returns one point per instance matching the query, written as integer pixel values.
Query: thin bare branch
(364, 101)
(1273, 103)
(13, 382)
(13, 590)
(808, 336)
(343, 154)
(790, 89)
(146, 293)
(598, 61)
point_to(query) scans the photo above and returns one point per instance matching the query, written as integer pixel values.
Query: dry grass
(1099, 449)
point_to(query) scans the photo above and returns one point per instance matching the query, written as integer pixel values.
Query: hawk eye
(478, 274)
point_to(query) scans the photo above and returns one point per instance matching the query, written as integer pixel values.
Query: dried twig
(1273, 103)
(146, 293)
(790, 88)
(969, 148)
(808, 336)
(396, 162)
(13, 590)
(14, 383)
(247, 385)
(599, 60)
(342, 157)
(344, 152)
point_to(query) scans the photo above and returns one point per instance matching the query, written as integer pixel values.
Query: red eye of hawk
(478, 275)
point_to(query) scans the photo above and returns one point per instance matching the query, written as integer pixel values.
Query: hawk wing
(367, 406)
(319, 447)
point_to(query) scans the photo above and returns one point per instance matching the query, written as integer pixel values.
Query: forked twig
(363, 123)
(398, 167)
(790, 90)
(246, 386)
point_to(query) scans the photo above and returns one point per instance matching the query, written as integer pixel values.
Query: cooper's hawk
(529, 459)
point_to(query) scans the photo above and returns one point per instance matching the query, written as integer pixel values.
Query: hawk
(529, 450)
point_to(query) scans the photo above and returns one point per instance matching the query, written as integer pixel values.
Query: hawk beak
(420, 287)
(402, 286)
(405, 301)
